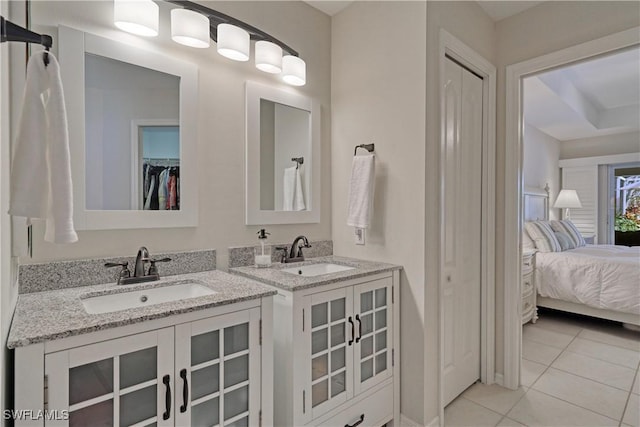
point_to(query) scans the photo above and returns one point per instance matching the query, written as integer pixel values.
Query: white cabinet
(529, 309)
(334, 353)
(203, 372)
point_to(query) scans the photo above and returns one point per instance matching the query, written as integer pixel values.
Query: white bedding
(601, 276)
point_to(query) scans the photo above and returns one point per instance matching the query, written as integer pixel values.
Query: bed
(595, 280)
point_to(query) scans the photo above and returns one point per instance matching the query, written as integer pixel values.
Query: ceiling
(593, 98)
(330, 7)
(497, 10)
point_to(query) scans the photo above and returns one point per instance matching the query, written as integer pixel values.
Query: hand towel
(293, 197)
(361, 188)
(41, 185)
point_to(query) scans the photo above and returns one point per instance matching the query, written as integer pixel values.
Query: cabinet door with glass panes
(374, 340)
(329, 337)
(348, 344)
(121, 382)
(217, 371)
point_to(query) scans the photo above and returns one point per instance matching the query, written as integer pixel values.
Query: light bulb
(268, 57)
(233, 42)
(139, 17)
(189, 28)
(294, 70)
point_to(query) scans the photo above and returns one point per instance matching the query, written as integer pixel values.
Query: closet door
(461, 260)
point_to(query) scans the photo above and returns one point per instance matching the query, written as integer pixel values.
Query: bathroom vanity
(201, 360)
(336, 341)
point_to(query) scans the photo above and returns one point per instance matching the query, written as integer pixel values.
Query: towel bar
(368, 147)
(298, 160)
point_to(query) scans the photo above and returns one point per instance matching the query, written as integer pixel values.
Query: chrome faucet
(295, 253)
(139, 275)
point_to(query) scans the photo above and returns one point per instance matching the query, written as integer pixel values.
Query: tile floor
(576, 371)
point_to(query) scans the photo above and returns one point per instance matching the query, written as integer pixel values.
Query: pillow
(565, 241)
(543, 236)
(527, 243)
(570, 229)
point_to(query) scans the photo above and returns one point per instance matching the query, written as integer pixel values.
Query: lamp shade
(233, 42)
(294, 70)
(567, 199)
(268, 57)
(139, 17)
(189, 28)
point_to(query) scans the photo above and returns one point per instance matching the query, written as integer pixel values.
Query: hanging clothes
(161, 187)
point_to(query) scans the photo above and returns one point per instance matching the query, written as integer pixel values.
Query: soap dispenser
(263, 252)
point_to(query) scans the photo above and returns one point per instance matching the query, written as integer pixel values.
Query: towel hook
(298, 160)
(368, 147)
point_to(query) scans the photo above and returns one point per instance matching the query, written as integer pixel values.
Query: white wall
(546, 28)
(469, 23)
(378, 96)
(221, 125)
(541, 153)
(623, 143)
(385, 91)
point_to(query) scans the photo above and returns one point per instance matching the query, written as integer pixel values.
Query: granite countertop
(291, 282)
(51, 315)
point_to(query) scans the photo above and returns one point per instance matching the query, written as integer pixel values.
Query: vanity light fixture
(268, 57)
(139, 17)
(233, 42)
(194, 24)
(190, 28)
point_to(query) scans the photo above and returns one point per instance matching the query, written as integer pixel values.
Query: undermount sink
(316, 269)
(144, 297)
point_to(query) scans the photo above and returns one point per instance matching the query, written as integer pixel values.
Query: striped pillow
(566, 226)
(565, 241)
(543, 236)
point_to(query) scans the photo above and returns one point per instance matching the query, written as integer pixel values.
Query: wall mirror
(132, 126)
(282, 157)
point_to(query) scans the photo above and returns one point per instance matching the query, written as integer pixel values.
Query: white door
(462, 229)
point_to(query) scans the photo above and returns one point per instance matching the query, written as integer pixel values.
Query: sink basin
(144, 297)
(316, 269)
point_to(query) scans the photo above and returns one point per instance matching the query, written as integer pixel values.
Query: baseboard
(499, 379)
(408, 422)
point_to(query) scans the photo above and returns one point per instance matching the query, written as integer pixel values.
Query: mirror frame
(73, 46)
(254, 215)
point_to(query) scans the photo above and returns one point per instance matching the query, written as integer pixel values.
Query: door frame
(469, 58)
(513, 182)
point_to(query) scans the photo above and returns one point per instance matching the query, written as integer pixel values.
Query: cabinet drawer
(527, 285)
(527, 309)
(527, 264)
(373, 411)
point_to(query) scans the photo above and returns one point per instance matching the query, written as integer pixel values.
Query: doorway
(513, 181)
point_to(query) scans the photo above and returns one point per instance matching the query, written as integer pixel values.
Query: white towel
(361, 191)
(293, 197)
(41, 184)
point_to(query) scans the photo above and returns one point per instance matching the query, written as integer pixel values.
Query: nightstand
(529, 309)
